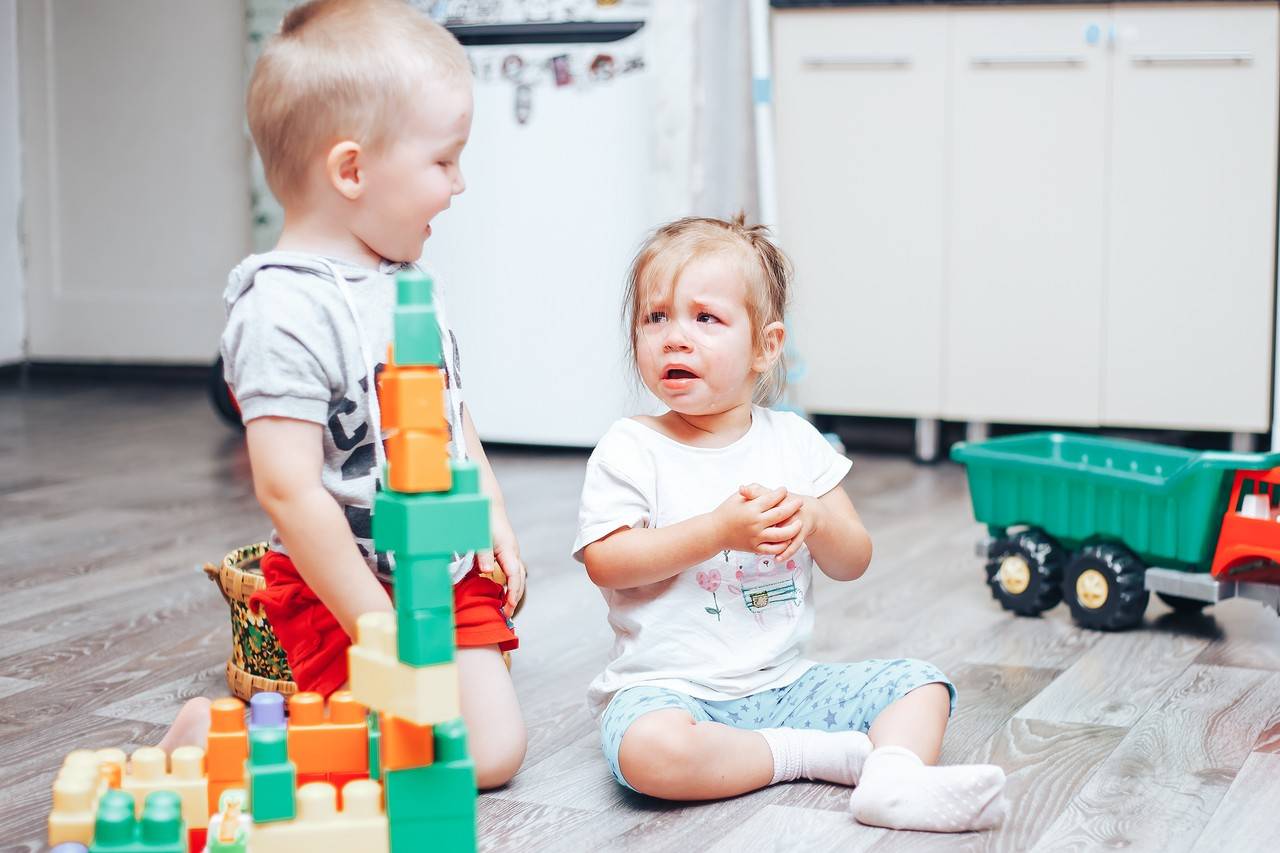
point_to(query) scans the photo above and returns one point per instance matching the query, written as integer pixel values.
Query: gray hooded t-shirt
(303, 334)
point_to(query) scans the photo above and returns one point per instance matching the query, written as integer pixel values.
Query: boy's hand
(506, 557)
(796, 527)
(751, 522)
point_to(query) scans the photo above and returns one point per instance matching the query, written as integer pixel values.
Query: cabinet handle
(855, 62)
(1028, 60)
(1208, 57)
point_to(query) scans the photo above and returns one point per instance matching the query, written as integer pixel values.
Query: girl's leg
(495, 730)
(668, 754)
(899, 790)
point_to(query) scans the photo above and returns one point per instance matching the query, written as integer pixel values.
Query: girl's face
(694, 348)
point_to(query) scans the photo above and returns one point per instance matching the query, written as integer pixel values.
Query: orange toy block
(228, 748)
(412, 398)
(418, 461)
(320, 745)
(146, 773)
(404, 744)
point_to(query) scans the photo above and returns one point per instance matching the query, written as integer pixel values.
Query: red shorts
(316, 646)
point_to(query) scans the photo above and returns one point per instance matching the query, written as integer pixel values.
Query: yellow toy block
(111, 763)
(146, 773)
(75, 798)
(423, 695)
(321, 828)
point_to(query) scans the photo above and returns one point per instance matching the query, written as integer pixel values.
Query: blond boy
(360, 110)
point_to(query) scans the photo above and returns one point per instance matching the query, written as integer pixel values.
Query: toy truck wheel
(1024, 572)
(1103, 586)
(1182, 605)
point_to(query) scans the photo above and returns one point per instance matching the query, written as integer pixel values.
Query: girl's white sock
(898, 791)
(818, 755)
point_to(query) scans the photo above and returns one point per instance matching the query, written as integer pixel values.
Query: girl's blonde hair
(671, 248)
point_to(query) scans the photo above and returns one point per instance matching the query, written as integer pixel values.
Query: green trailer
(1102, 522)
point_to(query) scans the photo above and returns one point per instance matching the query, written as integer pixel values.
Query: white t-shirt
(737, 623)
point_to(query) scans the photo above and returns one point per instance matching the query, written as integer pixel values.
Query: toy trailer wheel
(1024, 572)
(1182, 605)
(1103, 586)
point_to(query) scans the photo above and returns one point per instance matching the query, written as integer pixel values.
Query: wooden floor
(1163, 738)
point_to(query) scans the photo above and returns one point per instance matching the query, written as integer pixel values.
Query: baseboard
(75, 371)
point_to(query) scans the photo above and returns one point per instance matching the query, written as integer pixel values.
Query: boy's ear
(342, 168)
(771, 341)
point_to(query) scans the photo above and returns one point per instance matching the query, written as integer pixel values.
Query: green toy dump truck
(1103, 523)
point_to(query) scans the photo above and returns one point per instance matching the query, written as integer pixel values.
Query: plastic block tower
(384, 767)
(402, 666)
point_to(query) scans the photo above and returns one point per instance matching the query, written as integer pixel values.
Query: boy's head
(360, 110)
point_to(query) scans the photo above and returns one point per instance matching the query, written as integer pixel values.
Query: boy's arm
(505, 548)
(287, 457)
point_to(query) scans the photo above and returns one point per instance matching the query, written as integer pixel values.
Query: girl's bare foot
(190, 727)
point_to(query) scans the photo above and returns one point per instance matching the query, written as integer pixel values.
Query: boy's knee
(655, 749)
(498, 755)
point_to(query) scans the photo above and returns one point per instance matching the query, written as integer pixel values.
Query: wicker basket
(257, 663)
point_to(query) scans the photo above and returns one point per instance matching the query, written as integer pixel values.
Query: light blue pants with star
(829, 696)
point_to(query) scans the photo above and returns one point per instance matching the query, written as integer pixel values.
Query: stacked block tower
(402, 666)
(384, 768)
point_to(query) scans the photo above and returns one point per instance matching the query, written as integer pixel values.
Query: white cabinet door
(860, 132)
(1026, 215)
(136, 201)
(1190, 278)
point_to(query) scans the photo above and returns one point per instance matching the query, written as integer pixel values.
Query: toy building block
(227, 749)
(375, 746)
(435, 805)
(75, 798)
(426, 525)
(321, 828)
(425, 637)
(111, 766)
(270, 774)
(412, 398)
(421, 582)
(230, 827)
(266, 709)
(415, 326)
(160, 830)
(321, 744)
(405, 744)
(423, 695)
(418, 461)
(147, 773)
(69, 847)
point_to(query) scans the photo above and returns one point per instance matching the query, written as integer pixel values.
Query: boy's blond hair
(342, 69)
(673, 246)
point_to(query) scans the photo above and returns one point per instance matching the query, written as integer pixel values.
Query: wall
(12, 306)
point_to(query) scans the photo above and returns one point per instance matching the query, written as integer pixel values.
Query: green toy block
(423, 582)
(375, 746)
(452, 835)
(160, 830)
(425, 636)
(427, 525)
(416, 327)
(442, 790)
(417, 337)
(415, 288)
(272, 778)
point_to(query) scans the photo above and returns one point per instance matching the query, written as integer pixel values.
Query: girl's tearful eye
(655, 317)
(704, 317)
